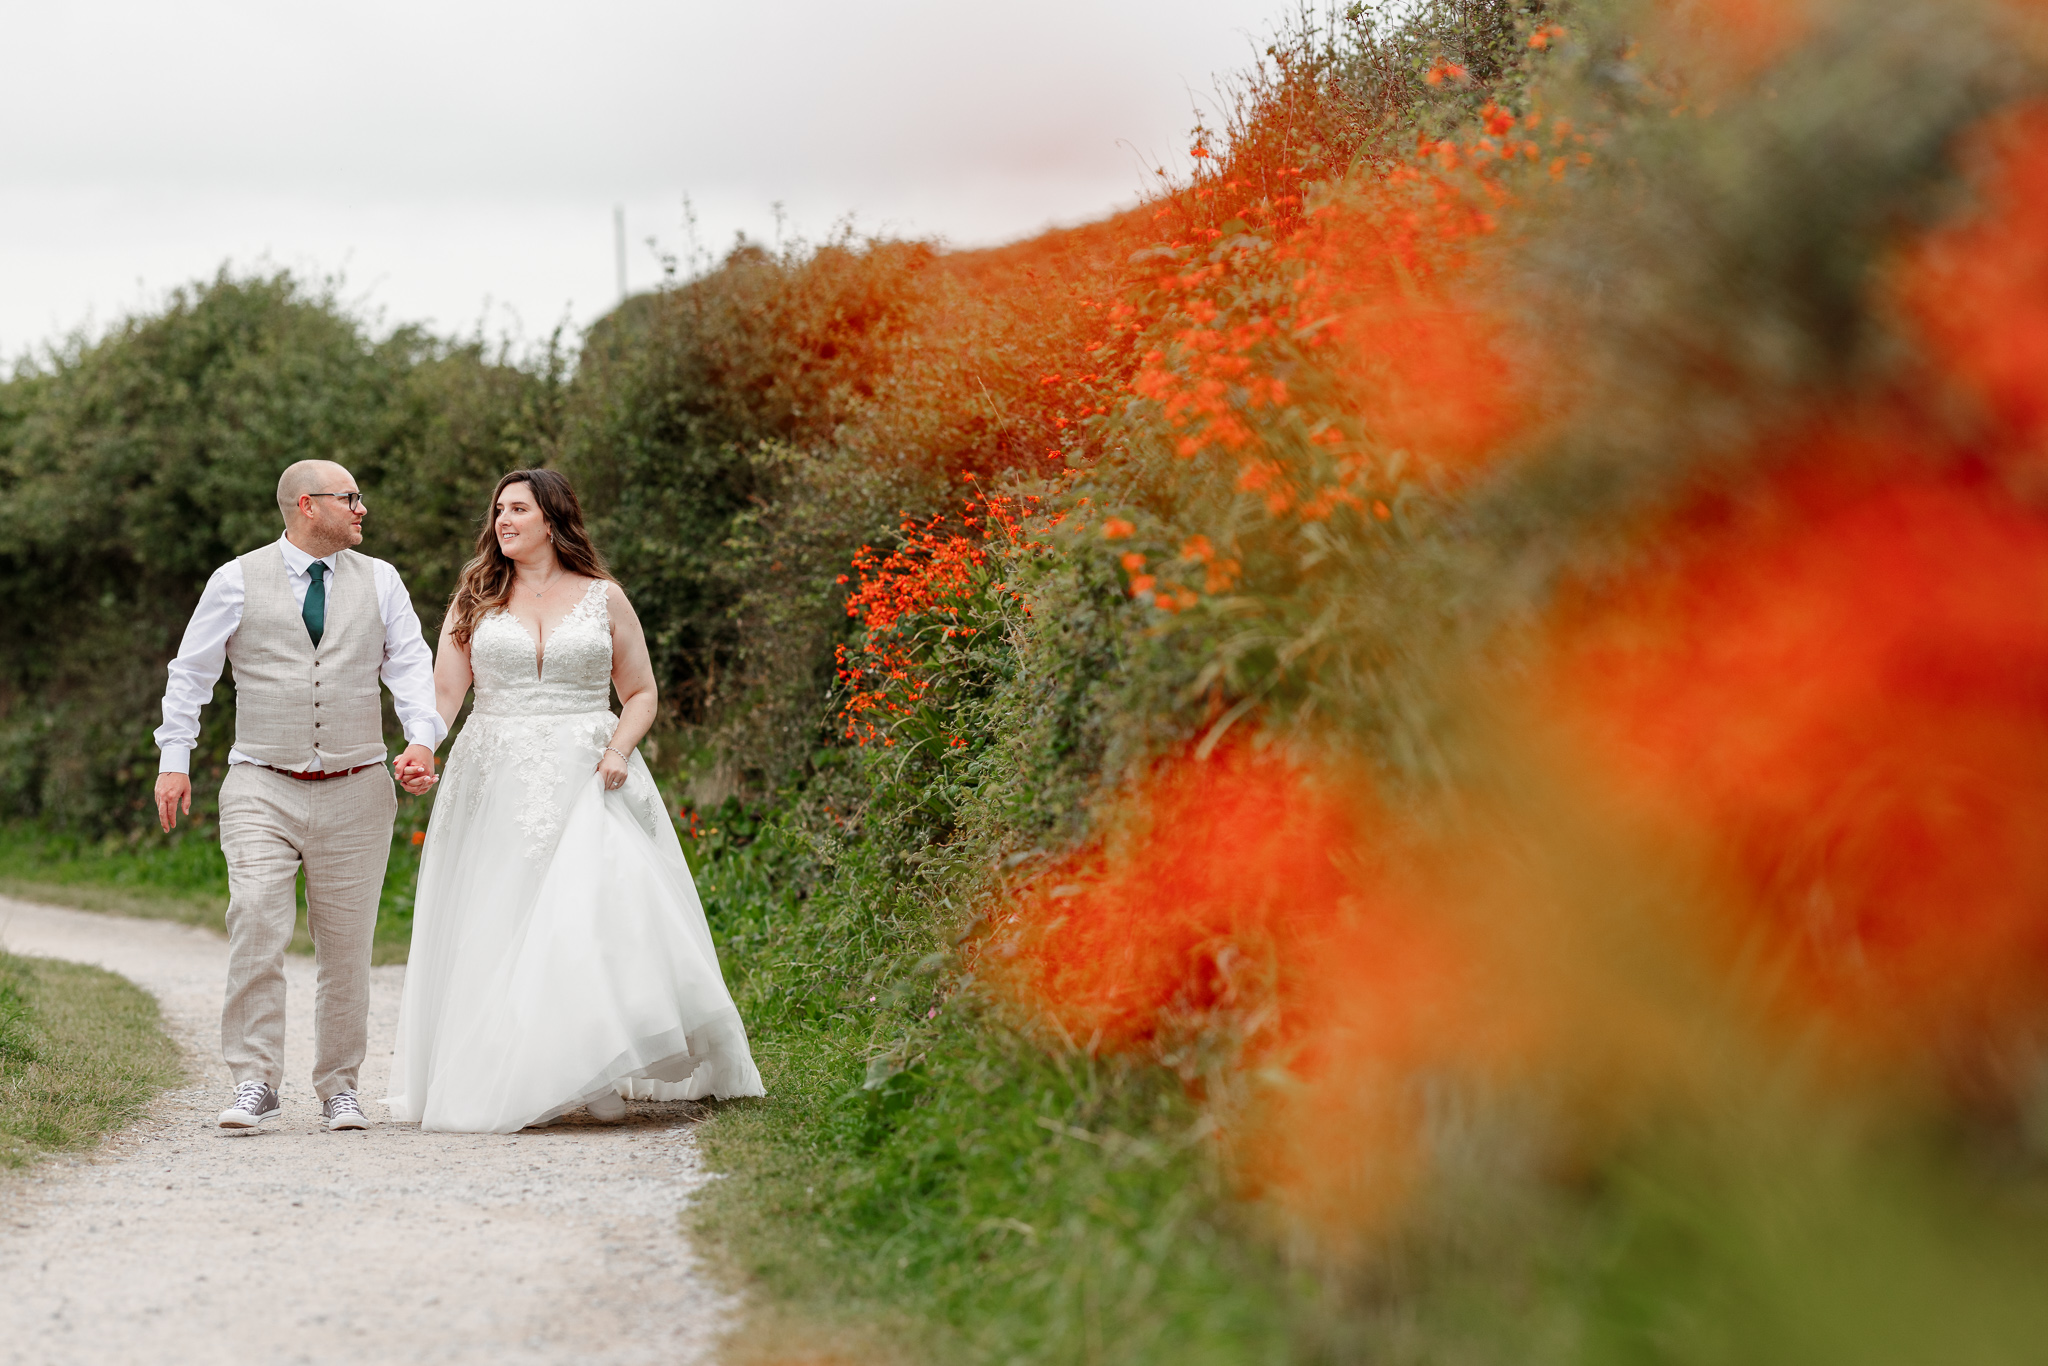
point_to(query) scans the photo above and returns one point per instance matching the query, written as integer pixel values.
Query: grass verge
(924, 1183)
(81, 1054)
(182, 877)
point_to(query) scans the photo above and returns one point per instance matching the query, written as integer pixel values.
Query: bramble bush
(133, 464)
(1523, 705)
(1424, 747)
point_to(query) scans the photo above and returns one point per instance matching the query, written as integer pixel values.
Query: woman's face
(522, 530)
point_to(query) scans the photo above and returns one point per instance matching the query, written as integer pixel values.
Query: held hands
(415, 769)
(611, 770)
(173, 794)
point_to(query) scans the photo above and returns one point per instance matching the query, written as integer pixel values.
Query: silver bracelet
(627, 758)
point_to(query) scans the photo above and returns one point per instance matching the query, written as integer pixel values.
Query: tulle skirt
(559, 951)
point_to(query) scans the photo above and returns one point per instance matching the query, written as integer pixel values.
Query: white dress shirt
(408, 668)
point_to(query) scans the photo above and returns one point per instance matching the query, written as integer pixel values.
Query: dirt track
(177, 1243)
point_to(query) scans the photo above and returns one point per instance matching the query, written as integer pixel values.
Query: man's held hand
(415, 769)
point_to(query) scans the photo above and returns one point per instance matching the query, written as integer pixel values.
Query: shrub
(136, 463)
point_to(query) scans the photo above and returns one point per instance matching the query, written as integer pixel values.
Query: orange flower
(1219, 576)
(1836, 687)
(1133, 561)
(1978, 288)
(1239, 898)
(1116, 528)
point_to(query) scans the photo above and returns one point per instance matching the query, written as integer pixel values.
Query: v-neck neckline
(539, 638)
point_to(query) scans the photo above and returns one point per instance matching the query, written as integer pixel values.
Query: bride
(560, 957)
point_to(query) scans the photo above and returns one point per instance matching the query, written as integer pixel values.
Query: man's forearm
(408, 668)
(202, 654)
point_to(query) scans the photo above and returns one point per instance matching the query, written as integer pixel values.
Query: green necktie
(315, 610)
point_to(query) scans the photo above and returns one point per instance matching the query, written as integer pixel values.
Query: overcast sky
(458, 162)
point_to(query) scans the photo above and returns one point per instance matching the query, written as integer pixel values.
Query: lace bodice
(575, 673)
(540, 732)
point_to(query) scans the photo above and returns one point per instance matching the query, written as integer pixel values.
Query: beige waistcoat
(291, 700)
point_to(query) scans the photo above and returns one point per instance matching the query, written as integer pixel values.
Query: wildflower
(1133, 561)
(1116, 528)
(1978, 288)
(1908, 796)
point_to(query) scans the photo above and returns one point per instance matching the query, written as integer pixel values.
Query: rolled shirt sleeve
(202, 654)
(408, 668)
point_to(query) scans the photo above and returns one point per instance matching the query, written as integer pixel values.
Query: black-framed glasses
(354, 500)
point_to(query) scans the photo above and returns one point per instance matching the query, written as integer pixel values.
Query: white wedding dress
(559, 951)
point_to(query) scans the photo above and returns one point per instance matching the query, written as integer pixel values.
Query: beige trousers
(340, 830)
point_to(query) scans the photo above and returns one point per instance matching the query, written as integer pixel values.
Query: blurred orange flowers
(1837, 689)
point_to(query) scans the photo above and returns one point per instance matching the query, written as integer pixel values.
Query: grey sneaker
(343, 1113)
(255, 1101)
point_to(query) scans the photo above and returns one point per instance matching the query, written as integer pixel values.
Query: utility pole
(619, 246)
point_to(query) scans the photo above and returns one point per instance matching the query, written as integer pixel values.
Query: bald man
(310, 627)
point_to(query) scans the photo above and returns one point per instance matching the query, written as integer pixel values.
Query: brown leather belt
(318, 775)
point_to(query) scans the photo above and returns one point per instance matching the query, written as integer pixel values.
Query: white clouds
(448, 153)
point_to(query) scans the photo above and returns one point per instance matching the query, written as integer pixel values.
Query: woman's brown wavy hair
(486, 582)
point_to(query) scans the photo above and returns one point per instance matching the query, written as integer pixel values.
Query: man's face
(330, 519)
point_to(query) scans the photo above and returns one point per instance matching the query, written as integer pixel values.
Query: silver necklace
(540, 592)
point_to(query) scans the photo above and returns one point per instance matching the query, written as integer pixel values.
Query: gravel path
(174, 1242)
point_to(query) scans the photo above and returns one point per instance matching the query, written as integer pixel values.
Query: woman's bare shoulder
(573, 588)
